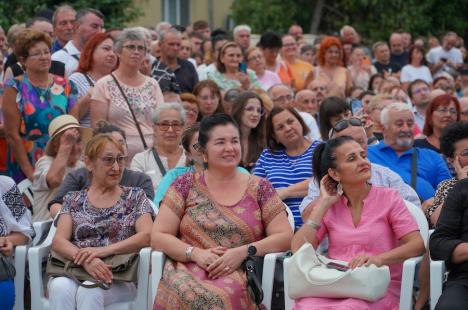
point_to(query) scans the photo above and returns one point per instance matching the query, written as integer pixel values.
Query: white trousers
(65, 294)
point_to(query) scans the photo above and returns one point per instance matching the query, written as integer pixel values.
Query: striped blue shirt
(283, 170)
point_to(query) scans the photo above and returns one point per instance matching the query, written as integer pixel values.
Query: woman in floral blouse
(97, 222)
(31, 101)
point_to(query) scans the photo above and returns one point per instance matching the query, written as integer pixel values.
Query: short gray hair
(240, 28)
(129, 34)
(395, 106)
(163, 33)
(270, 90)
(169, 106)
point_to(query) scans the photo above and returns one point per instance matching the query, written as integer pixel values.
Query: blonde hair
(378, 99)
(97, 143)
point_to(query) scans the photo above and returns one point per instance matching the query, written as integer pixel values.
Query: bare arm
(295, 190)
(12, 118)
(81, 107)
(136, 242)
(17, 238)
(460, 254)
(98, 111)
(61, 243)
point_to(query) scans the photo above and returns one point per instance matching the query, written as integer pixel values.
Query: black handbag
(254, 272)
(7, 268)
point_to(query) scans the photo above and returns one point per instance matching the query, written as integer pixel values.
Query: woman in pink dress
(365, 224)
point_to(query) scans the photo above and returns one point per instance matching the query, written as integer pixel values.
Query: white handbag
(309, 276)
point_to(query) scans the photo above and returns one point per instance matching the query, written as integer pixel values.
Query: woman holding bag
(127, 98)
(365, 224)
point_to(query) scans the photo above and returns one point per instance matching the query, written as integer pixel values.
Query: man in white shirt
(446, 55)
(88, 22)
(283, 96)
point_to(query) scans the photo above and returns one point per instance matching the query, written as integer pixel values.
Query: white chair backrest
(290, 217)
(25, 188)
(420, 219)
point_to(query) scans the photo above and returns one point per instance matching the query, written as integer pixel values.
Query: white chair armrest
(437, 271)
(407, 281)
(21, 252)
(158, 259)
(41, 229)
(35, 256)
(141, 299)
(268, 276)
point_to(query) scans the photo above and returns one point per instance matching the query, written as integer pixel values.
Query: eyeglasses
(39, 54)
(421, 90)
(463, 153)
(252, 109)
(345, 123)
(283, 98)
(165, 126)
(134, 47)
(451, 111)
(257, 57)
(110, 160)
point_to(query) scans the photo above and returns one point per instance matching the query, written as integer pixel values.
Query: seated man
(381, 176)
(396, 152)
(449, 242)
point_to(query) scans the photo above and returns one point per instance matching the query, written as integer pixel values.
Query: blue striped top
(283, 170)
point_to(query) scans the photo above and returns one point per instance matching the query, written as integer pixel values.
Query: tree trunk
(314, 26)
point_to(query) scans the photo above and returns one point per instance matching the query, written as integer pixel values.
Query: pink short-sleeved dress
(384, 220)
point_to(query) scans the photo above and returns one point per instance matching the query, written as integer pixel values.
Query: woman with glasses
(97, 59)
(97, 222)
(286, 162)
(249, 113)
(166, 153)
(256, 62)
(31, 101)
(441, 112)
(209, 98)
(126, 97)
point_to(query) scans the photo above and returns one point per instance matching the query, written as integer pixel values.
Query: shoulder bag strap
(159, 162)
(89, 80)
(414, 168)
(131, 111)
(74, 56)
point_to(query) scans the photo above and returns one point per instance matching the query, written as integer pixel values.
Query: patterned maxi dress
(206, 224)
(38, 107)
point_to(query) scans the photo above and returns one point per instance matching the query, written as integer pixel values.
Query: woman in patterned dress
(15, 229)
(143, 93)
(31, 101)
(97, 222)
(208, 220)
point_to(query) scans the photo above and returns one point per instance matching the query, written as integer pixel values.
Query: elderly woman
(15, 229)
(209, 98)
(80, 179)
(123, 216)
(166, 153)
(62, 156)
(227, 74)
(454, 146)
(286, 162)
(205, 239)
(332, 110)
(249, 113)
(256, 62)
(96, 60)
(190, 104)
(126, 97)
(31, 102)
(331, 69)
(441, 112)
(348, 210)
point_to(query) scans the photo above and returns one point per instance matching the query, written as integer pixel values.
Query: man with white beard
(396, 152)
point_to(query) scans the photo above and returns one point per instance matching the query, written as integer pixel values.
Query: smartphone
(243, 67)
(443, 59)
(336, 266)
(357, 107)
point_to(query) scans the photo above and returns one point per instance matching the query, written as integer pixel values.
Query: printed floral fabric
(97, 227)
(206, 224)
(38, 107)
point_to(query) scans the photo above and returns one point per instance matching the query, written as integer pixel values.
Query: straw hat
(64, 122)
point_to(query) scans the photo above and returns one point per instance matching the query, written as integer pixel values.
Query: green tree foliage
(374, 19)
(116, 12)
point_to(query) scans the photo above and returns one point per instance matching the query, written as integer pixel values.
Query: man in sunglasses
(381, 176)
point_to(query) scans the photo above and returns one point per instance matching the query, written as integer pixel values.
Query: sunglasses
(345, 123)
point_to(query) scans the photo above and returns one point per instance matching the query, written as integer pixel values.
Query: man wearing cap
(62, 156)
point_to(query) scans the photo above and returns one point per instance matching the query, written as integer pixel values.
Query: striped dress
(283, 170)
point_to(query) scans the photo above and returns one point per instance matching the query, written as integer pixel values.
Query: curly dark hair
(452, 134)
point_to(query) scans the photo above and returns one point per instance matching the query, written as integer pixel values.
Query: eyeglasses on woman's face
(451, 111)
(164, 126)
(38, 54)
(135, 47)
(109, 161)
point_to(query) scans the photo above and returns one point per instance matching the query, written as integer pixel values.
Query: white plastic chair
(158, 259)
(39, 253)
(409, 265)
(437, 273)
(25, 188)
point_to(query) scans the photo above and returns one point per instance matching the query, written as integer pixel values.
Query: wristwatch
(251, 250)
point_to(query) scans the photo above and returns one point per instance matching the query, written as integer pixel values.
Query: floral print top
(38, 107)
(97, 227)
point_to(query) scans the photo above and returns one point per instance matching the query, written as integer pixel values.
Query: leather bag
(254, 271)
(124, 268)
(309, 276)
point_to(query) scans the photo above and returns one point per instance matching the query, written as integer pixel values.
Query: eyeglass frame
(136, 47)
(452, 111)
(121, 160)
(353, 121)
(171, 125)
(40, 53)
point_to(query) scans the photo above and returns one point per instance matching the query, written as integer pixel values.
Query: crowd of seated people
(200, 145)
